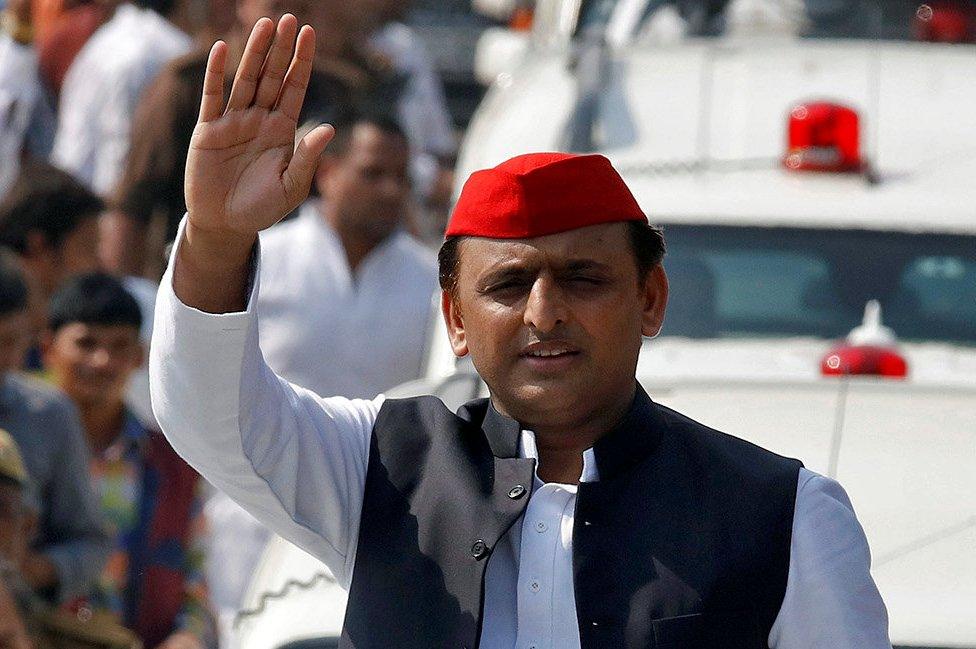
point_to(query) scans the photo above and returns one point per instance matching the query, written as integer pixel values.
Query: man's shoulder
(36, 396)
(281, 242)
(730, 454)
(413, 254)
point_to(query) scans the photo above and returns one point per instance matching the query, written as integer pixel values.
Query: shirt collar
(132, 441)
(528, 449)
(629, 443)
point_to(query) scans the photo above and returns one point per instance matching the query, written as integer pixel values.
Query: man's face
(366, 188)
(15, 337)
(79, 250)
(553, 324)
(93, 363)
(77, 253)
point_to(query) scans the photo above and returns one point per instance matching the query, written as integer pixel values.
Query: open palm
(243, 172)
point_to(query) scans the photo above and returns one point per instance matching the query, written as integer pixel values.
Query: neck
(356, 245)
(103, 423)
(561, 441)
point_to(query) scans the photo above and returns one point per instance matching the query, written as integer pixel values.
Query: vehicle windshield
(747, 282)
(883, 19)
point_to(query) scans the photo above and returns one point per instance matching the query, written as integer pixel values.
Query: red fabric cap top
(542, 193)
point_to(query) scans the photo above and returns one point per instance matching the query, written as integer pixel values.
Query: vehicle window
(882, 19)
(734, 281)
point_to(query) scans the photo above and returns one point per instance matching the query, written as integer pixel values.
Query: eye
(585, 280)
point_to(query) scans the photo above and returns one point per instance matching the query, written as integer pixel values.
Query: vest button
(479, 550)
(517, 492)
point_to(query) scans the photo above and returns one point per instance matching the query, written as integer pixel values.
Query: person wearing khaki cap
(26, 622)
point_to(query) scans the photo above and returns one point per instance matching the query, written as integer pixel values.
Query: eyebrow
(515, 269)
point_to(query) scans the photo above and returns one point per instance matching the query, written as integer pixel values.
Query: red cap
(542, 193)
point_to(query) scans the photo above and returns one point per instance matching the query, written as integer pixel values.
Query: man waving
(569, 510)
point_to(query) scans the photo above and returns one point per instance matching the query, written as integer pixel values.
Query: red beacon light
(823, 136)
(945, 21)
(870, 350)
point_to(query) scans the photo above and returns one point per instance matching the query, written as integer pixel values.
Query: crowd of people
(107, 537)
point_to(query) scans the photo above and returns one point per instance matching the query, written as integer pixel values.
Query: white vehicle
(826, 315)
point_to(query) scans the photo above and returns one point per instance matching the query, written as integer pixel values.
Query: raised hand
(243, 173)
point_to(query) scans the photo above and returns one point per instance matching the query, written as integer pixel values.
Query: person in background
(27, 119)
(51, 221)
(148, 495)
(15, 533)
(148, 202)
(70, 547)
(422, 107)
(346, 293)
(26, 621)
(66, 35)
(104, 83)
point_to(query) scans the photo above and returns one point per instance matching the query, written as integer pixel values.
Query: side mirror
(499, 51)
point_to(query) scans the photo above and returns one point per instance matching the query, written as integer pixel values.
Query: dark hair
(646, 243)
(346, 122)
(13, 287)
(96, 299)
(47, 200)
(162, 7)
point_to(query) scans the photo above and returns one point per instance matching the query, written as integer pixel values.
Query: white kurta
(298, 462)
(335, 331)
(102, 89)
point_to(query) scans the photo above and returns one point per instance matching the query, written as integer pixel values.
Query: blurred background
(811, 163)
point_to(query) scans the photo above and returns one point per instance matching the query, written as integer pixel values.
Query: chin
(546, 402)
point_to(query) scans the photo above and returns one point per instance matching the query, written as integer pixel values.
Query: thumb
(297, 178)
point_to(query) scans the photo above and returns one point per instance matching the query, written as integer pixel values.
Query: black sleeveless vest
(684, 543)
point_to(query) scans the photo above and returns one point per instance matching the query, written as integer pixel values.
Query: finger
(211, 105)
(300, 71)
(246, 79)
(276, 65)
(298, 176)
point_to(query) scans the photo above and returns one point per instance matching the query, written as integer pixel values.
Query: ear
(455, 324)
(140, 356)
(655, 301)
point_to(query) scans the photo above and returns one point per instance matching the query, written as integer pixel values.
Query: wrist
(217, 250)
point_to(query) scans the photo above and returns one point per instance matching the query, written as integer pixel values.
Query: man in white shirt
(104, 84)
(570, 510)
(345, 286)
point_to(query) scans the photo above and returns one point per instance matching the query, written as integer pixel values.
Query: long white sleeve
(831, 601)
(294, 460)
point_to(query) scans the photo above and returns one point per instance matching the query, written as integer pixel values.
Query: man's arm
(243, 172)
(831, 601)
(295, 461)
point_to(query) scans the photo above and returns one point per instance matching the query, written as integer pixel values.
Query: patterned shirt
(117, 475)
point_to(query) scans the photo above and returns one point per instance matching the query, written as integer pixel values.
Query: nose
(100, 357)
(392, 186)
(545, 308)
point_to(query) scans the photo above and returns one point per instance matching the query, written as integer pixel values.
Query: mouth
(554, 355)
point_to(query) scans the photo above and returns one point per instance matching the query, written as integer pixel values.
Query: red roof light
(823, 136)
(864, 360)
(945, 22)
